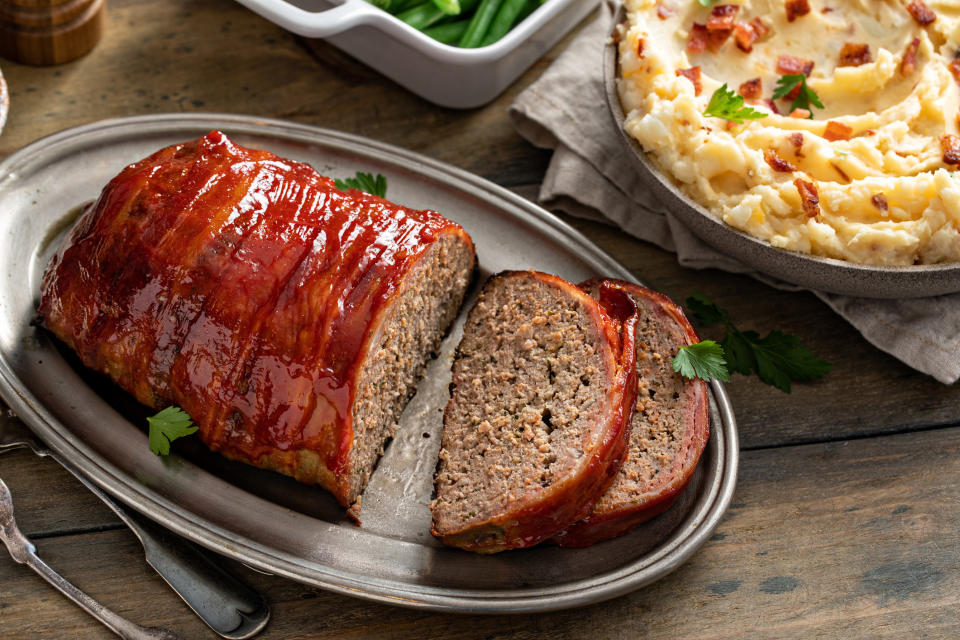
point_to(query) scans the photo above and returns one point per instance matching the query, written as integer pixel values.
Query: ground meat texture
(538, 416)
(669, 430)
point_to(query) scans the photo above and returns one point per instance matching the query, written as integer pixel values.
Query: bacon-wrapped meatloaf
(289, 319)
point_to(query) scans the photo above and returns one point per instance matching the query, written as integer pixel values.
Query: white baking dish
(445, 75)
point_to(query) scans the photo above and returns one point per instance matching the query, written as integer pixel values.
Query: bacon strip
(809, 197)
(796, 8)
(837, 131)
(751, 89)
(923, 14)
(909, 63)
(951, 149)
(721, 17)
(777, 163)
(854, 55)
(693, 75)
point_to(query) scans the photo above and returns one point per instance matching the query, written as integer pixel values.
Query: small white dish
(445, 75)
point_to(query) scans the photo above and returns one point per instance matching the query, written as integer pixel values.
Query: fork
(24, 552)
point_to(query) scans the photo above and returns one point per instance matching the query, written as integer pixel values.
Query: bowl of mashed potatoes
(817, 141)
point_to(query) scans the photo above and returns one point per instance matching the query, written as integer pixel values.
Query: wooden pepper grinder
(45, 32)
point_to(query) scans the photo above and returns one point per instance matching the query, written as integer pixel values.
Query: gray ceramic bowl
(813, 272)
(4, 101)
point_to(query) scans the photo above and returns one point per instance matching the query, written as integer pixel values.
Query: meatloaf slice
(290, 319)
(669, 430)
(543, 388)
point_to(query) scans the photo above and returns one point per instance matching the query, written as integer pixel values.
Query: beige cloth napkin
(565, 110)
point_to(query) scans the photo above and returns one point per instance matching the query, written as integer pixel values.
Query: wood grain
(50, 32)
(849, 539)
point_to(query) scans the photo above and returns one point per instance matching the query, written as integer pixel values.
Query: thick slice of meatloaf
(669, 431)
(289, 319)
(543, 389)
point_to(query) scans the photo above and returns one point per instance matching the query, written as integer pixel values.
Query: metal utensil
(226, 605)
(24, 552)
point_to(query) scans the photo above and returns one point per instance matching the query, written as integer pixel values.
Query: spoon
(24, 552)
(229, 607)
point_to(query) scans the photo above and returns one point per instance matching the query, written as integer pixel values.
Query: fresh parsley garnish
(364, 182)
(804, 99)
(707, 3)
(167, 426)
(702, 360)
(777, 358)
(726, 104)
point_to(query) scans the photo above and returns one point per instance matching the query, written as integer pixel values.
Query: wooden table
(846, 519)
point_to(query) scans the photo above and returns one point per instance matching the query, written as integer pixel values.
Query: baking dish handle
(314, 24)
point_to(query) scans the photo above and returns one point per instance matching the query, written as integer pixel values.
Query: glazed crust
(243, 288)
(620, 518)
(570, 498)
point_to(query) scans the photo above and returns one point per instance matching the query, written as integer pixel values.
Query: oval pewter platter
(805, 270)
(270, 521)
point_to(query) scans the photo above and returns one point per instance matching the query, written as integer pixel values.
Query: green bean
(422, 16)
(448, 33)
(503, 21)
(449, 7)
(399, 6)
(480, 23)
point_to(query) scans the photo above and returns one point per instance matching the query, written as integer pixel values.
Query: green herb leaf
(726, 104)
(704, 310)
(706, 3)
(702, 360)
(807, 98)
(364, 182)
(167, 426)
(777, 358)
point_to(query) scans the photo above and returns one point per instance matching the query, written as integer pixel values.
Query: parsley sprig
(806, 99)
(167, 426)
(364, 182)
(777, 358)
(726, 104)
(702, 360)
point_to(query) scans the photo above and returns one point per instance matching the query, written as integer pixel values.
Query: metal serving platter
(812, 272)
(268, 520)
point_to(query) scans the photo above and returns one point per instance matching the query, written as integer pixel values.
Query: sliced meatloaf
(289, 319)
(669, 431)
(537, 423)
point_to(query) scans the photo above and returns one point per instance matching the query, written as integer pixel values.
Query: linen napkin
(565, 110)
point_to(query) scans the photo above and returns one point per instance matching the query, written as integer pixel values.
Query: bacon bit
(809, 197)
(640, 45)
(955, 67)
(773, 106)
(951, 149)
(787, 65)
(721, 17)
(909, 63)
(697, 42)
(796, 139)
(880, 202)
(843, 174)
(797, 8)
(854, 55)
(777, 163)
(800, 113)
(663, 11)
(715, 39)
(751, 89)
(921, 13)
(693, 75)
(837, 131)
(760, 27)
(826, 10)
(745, 35)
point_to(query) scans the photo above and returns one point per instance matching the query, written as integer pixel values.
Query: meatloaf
(669, 430)
(544, 384)
(289, 319)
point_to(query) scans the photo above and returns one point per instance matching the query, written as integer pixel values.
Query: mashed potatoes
(871, 178)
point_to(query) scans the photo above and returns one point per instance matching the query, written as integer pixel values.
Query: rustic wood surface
(846, 519)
